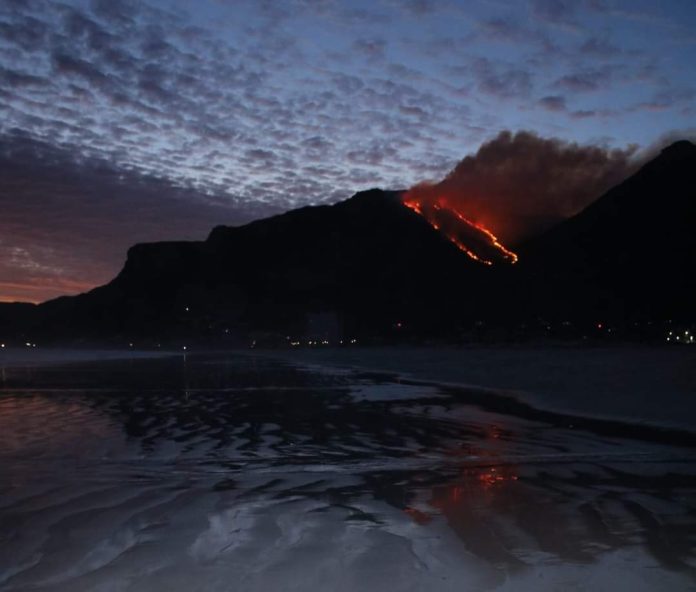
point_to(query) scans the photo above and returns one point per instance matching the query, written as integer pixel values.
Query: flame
(432, 211)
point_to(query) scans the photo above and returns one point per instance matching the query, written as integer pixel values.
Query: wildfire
(482, 245)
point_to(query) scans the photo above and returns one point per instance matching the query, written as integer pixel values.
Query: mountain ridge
(626, 247)
(369, 265)
(367, 261)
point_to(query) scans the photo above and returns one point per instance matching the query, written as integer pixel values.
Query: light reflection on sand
(223, 474)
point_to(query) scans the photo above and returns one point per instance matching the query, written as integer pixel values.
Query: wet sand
(237, 472)
(620, 382)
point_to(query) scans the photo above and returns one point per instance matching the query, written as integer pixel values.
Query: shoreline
(608, 383)
(600, 383)
(25, 356)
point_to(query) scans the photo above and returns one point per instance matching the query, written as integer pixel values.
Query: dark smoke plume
(519, 184)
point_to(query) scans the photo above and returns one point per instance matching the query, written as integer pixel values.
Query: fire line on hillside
(474, 239)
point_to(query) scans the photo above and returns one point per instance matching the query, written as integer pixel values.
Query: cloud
(553, 103)
(587, 80)
(18, 79)
(554, 11)
(25, 31)
(600, 48)
(517, 183)
(516, 33)
(370, 48)
(68, 219)
(141, 88)
(272, 105)
(420, 8)
(668, 98)
(374, 154)
(502, 80)
(584, 114)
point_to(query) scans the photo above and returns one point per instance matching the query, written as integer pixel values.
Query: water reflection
(244, 445)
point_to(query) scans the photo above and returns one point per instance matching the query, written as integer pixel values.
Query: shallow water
(231, 472)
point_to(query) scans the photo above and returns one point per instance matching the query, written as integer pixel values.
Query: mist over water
(230, 472)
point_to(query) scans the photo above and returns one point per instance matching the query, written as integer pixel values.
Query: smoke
(664, 140)
(519, 184)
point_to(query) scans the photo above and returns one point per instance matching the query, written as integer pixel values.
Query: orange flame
(441, 205)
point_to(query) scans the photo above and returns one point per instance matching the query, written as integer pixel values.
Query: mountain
(372, 267)
(630, 255)
(359, 267)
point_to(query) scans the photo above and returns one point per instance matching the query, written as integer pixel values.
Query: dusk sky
(131, 121)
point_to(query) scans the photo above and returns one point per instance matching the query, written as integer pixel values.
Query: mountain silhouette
(630, 255)
(357, 267)
(369, 266)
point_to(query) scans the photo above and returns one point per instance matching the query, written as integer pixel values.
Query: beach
(310, 470)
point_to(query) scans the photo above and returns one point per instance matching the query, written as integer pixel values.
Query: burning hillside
(472, 238)
(518, 185)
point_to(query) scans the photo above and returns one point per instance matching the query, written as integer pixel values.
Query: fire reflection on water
(490, 470)
(484, 476)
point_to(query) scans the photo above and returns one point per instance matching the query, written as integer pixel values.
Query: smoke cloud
(519, 184)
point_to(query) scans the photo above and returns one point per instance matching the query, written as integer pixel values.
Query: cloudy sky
(124, 121)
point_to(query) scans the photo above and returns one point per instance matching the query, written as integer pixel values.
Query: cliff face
(149, 261)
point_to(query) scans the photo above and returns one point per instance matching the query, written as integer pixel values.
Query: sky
(126, 121)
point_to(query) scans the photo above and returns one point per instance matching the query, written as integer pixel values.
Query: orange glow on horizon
(41, 291)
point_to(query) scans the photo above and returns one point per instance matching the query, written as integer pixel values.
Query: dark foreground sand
(236, 472)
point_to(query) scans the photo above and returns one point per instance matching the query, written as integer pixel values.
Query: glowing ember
(472, 238)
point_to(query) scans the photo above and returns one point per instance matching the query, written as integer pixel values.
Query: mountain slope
(370, 266)
(367, 263)
(629, 255)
